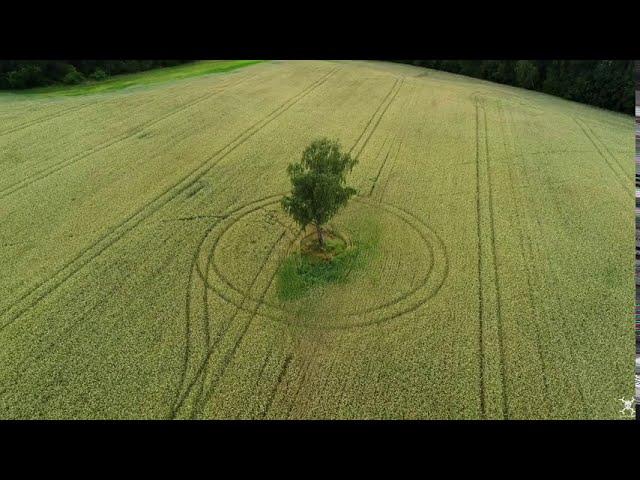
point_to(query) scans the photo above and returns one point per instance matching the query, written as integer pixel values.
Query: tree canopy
(318, 182)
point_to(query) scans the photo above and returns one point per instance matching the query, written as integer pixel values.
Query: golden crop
(141, 233)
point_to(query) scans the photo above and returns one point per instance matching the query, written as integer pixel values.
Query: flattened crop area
(141, 237)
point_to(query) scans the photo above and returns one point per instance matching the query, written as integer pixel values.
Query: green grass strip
(149, 77)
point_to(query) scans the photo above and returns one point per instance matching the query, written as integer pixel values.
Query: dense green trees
(19, 74)
(603, 83)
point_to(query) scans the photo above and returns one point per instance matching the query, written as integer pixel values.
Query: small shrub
(26, 76)
(300, 273)
(73, 77)
(99, 75)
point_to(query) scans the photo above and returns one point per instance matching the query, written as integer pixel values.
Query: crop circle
(221, 252)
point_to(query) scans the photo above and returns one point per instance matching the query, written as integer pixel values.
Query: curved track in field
(217, 280)
(41, 290)
(252, 300)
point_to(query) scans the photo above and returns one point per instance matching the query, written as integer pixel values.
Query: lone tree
(319, 184)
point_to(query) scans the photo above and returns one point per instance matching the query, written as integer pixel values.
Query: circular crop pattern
(408, 270)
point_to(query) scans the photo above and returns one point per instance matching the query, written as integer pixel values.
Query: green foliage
(74, 77)
(318, 181)
(527, 75)
(115, 81)
(99, 75)
(25, 76)
(300, 273)
(21, 74)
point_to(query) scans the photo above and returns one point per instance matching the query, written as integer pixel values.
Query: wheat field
(141, 236)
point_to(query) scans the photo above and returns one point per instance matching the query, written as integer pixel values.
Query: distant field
(140, 240)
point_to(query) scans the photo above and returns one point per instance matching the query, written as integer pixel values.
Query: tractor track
(195, 268)
(75, 108)
(382, 113)
(56, 167)
(411, 220)
(303, 379)
(210, 258)
(505, 405)
(379, 113)
(616, 173)
(568, 347)
(276, 386)
(203, 365)
(201, 372)
(523, 253)
(70, 268)
(394, 157)
(480, 291)
(51, 116)
(355, 144)
(231, 353)
(258, 205)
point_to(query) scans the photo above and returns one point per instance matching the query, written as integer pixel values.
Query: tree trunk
(320, 237)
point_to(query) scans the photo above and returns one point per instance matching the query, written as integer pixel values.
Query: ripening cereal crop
(142, 246)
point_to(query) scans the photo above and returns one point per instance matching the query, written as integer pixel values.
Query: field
(141, 239)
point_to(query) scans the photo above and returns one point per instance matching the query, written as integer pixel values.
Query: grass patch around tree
(310, 266)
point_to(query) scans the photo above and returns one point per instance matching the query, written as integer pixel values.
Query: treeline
(20, 74)
(604, 83)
